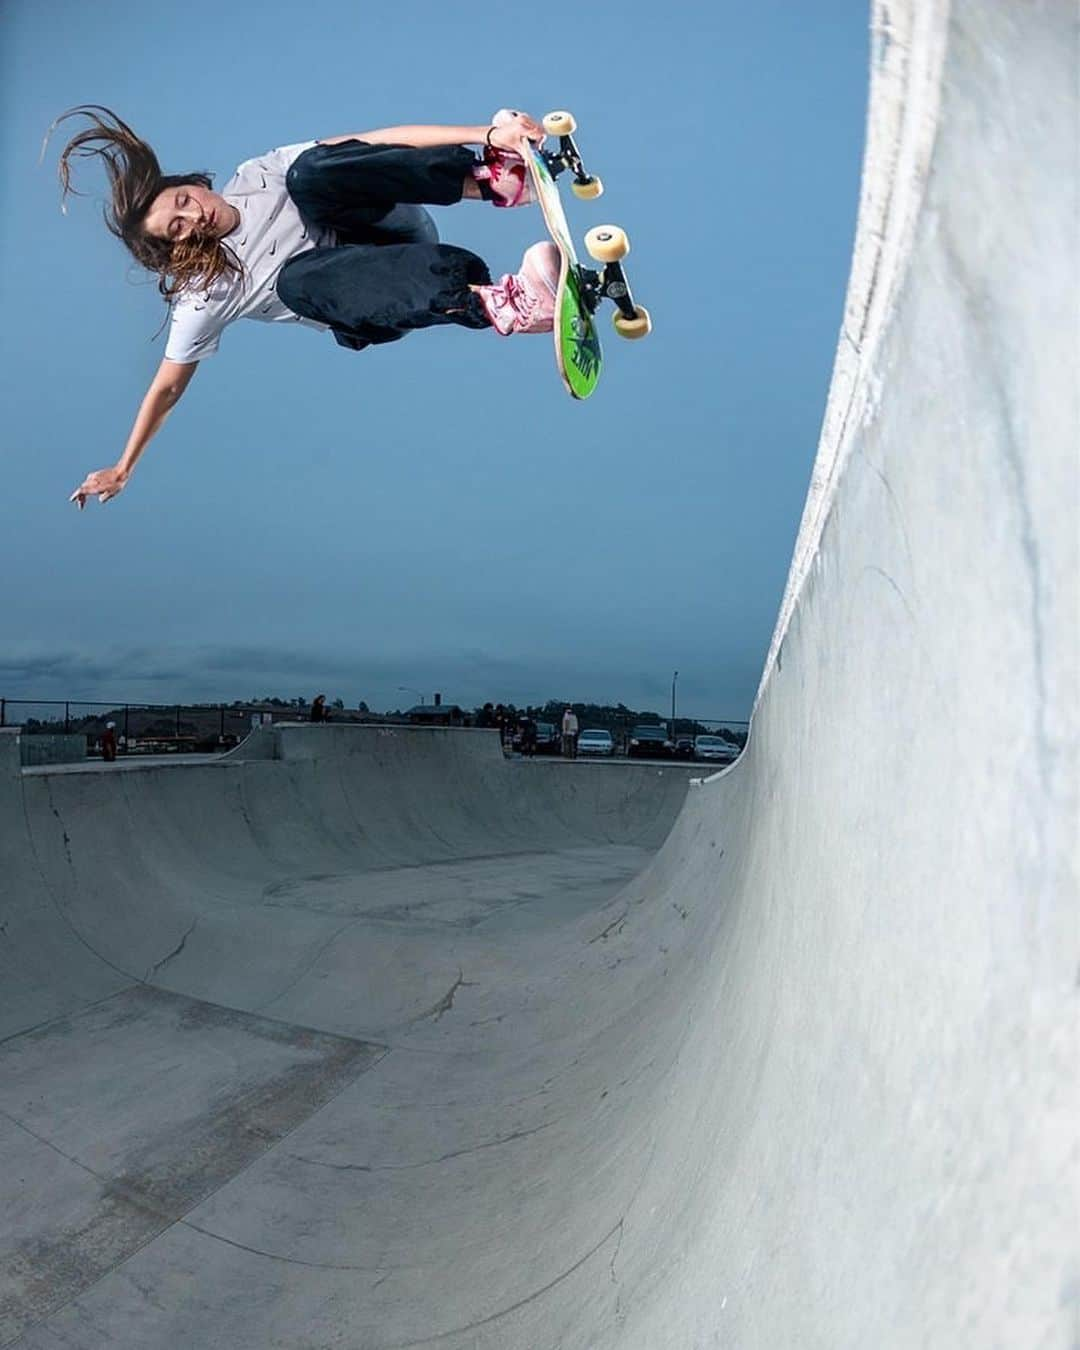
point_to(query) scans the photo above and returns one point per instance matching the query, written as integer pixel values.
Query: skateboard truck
(562, 126)
(612, 283)
(609, 245)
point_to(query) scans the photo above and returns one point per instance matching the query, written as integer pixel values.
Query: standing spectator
(569, 734)
(108, 743)
(318, 708)
(528, 736)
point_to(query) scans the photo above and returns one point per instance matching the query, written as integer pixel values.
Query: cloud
(172, 673)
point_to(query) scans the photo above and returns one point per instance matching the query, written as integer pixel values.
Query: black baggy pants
(388, 273)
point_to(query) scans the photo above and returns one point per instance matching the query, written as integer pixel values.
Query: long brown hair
(135, 180)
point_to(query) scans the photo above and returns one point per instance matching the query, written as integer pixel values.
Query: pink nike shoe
(525, 302)
(502, 174)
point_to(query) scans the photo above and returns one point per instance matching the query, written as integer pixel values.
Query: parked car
(595, 742)
(684, 747)
(548, 738)
(649, 742)
(715, 748)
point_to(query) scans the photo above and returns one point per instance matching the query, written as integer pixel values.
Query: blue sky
(436, 514)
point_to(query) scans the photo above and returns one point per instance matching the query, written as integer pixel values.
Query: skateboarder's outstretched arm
(505, 137)
(168, 384)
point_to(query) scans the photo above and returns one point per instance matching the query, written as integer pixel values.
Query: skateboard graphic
(581, 289)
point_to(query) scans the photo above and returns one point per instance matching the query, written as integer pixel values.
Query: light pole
(407, 689)
(674, 680)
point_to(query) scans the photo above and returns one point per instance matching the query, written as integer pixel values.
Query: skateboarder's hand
(103, 484)
(509, 135)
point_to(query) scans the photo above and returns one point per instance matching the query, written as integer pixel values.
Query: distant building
(436, 715)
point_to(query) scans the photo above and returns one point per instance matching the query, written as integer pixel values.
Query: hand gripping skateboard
(581, 289)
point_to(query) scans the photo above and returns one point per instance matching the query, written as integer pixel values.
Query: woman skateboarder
(327, 233)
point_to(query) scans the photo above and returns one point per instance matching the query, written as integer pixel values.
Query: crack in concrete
(513, 1307)
(175, 952)
(614, 924)
(446, 1002)
(615, 1253)
(428, 1162)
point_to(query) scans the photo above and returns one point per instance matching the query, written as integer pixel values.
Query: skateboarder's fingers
(86, 488)
(514, 136)
(81, 493)
(529, 126)
(97, 484)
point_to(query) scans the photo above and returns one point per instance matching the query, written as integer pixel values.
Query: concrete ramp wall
(870, 1135)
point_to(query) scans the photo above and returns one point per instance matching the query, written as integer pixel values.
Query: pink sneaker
(502, 174)
(525, 303)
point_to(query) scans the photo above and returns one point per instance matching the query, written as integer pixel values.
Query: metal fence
(154, 728)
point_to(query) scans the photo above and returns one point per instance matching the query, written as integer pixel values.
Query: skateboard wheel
(592, 187)
(607, 243)
(638, 327)
(560, 124)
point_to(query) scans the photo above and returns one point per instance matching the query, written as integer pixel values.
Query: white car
(595, 743)
(715, 748)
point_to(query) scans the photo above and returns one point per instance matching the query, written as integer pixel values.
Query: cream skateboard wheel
(638, 327)
(607, 243)
(560, 124)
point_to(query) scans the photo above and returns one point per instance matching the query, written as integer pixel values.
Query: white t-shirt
(569, 724)
(269, 234)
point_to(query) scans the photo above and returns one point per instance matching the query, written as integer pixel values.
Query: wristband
(487, 139)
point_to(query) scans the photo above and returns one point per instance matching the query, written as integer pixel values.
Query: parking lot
(648, 741)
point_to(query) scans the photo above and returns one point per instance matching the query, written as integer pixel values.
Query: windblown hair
(135, 180)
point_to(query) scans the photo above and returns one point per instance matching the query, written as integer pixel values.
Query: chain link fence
(154, 728)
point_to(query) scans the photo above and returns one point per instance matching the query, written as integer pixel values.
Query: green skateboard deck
(577, 343)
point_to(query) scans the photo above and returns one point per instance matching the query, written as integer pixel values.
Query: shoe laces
(520, 297)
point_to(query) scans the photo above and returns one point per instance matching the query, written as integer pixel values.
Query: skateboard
(581, 289)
